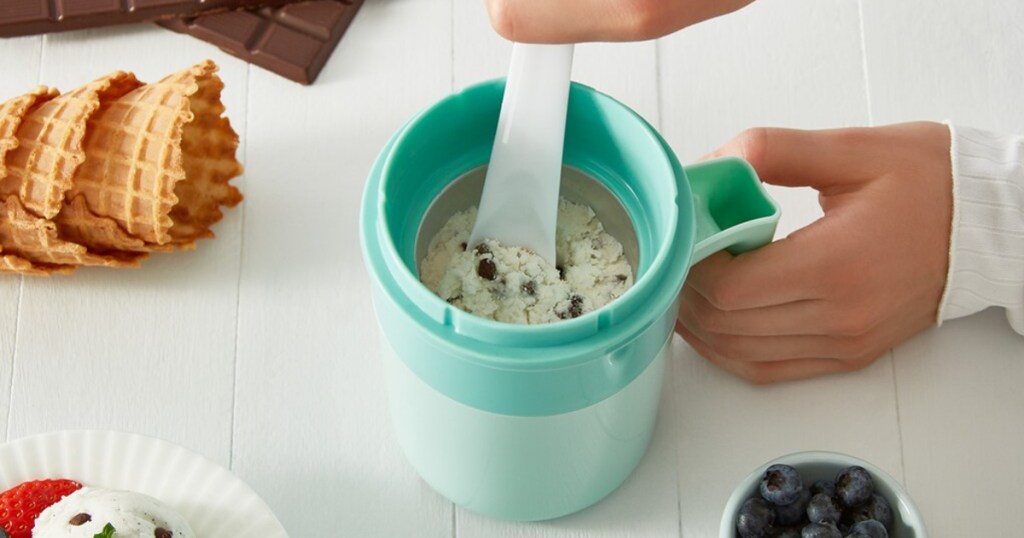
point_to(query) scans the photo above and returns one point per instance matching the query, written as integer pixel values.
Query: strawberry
(22, 504)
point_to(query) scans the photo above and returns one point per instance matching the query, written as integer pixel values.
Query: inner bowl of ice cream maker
(614, 162)
(576, 186)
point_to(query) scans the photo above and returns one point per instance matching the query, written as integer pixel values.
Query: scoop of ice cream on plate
(87, 512)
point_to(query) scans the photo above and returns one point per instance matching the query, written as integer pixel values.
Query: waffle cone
(12, 113)
(112, 170)
(37, 173)
(159, 158)
(77, 223)
(49, 150)
(33, 245)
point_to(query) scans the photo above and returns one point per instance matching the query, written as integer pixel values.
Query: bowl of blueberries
(820, 495)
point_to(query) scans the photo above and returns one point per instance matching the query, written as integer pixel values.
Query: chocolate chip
(530, 288)
(575, 309)
(482, 249)
(621, 278)
(575, 306)
(161, 532)
(463, 245)
(80, 519)
(486, 269)
(561, 272)
(451, 300)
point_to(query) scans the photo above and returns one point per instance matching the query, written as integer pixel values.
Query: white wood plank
(784, 63)
(149, 350)
(312, 430)
(21, 73)
(944, 59)
(960, 407)
(959, 397)
(781, 63)
(728, 427)
(646, 505)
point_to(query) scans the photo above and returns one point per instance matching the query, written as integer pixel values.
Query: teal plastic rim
(527, 369)
(604, 139)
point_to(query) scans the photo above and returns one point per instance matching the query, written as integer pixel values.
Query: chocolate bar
(27, 17)
(293, 41)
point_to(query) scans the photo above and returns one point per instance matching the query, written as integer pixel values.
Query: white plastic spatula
(519, 205)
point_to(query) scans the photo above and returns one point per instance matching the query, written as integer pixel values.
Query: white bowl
(215, 502)
(817, 465)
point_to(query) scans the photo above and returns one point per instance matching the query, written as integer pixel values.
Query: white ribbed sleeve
(986, 245)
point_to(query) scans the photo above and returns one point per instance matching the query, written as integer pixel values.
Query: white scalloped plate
(216, 503)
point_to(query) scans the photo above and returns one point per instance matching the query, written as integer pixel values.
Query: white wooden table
(259, 349)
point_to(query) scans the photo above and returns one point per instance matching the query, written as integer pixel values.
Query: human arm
(987, 238)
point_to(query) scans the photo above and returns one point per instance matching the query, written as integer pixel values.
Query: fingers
(782, 272)
(775, 371)
(790, 370)
(800, 330)
(777, 348)
(807, 317)
(795, 158)
(834, 295)
(573, 21)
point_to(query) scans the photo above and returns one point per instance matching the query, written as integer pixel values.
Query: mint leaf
(108, 532)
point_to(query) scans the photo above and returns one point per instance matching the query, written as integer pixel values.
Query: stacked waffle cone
(113, 170)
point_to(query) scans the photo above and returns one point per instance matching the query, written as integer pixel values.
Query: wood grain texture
(21, 74)
(148, 350)
(312, 431)
(260, 349)
(646, 504)
(728, 427)
(959, 385)
(791, 64)
(783, 63)
(960, 407)
(943, 59)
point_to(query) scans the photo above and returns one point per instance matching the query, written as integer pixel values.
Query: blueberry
(781, 484)
(824, 509)
(854, 486)
(877, 508)
(755, 519)
(786, 532)
(794, 512)
(820, 530)
(869, 529)
(827, 487)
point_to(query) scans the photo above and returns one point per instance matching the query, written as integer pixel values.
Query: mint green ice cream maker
(535, 422)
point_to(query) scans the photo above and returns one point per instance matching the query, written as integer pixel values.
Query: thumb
(563, 21)
(573, 21)
(823, 160)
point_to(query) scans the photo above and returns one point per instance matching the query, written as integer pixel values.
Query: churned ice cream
(86, 512)
(515, 285)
